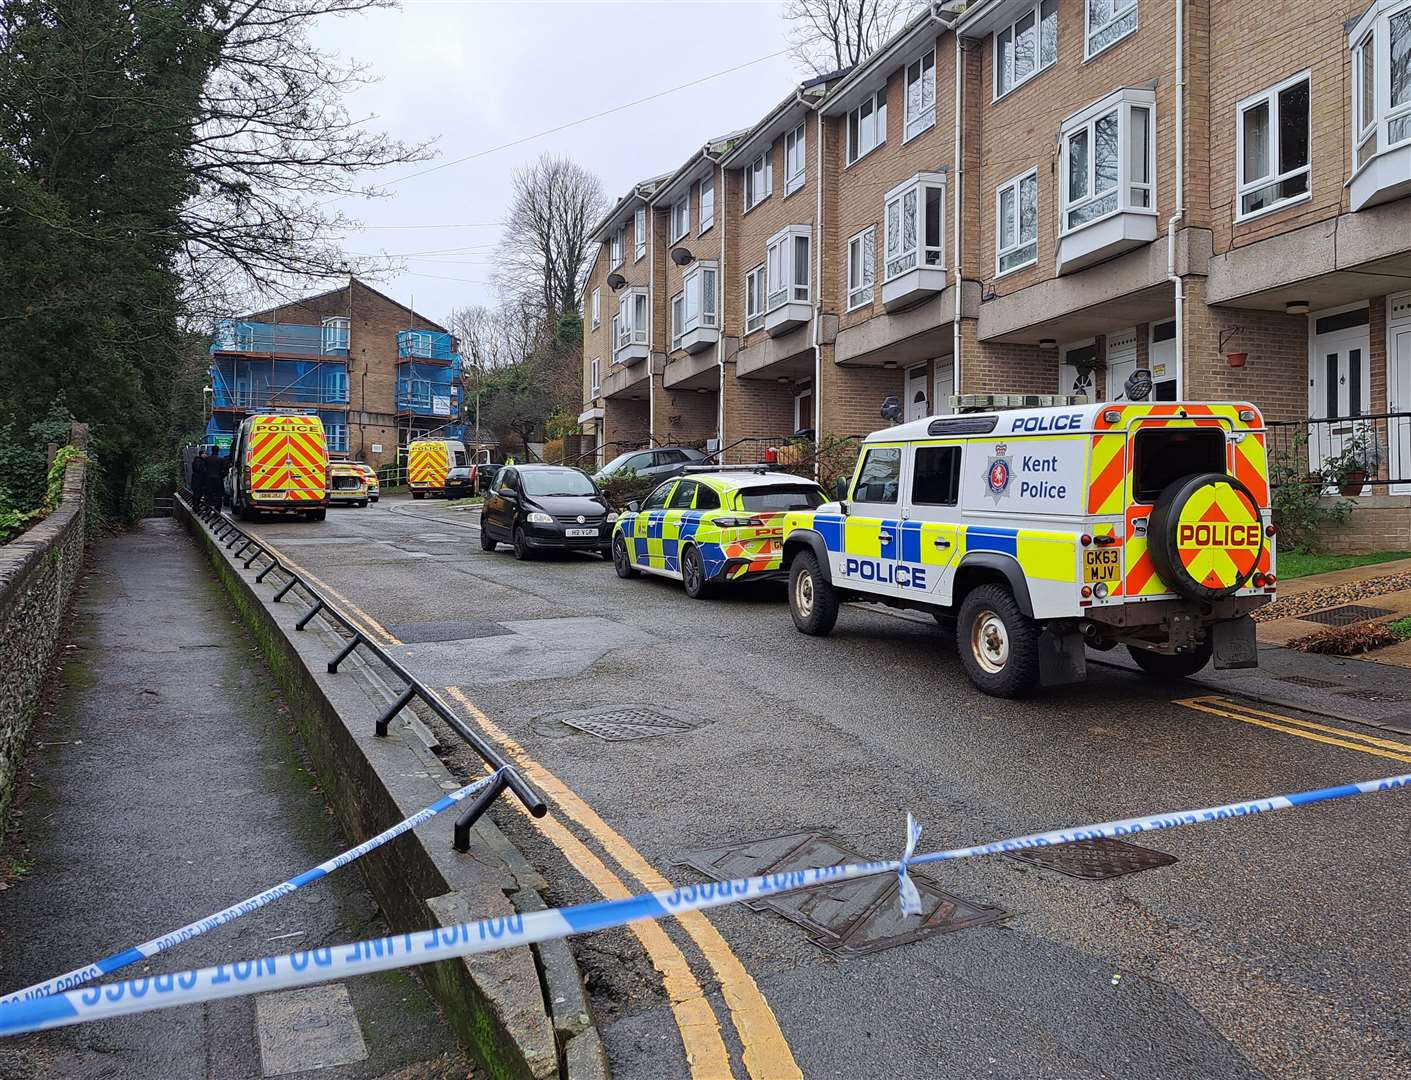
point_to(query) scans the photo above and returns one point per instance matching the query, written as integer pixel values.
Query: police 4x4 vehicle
(1043, 531)
(715, 524)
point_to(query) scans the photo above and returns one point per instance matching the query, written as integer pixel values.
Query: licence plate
(1102, 564)
(580, 532)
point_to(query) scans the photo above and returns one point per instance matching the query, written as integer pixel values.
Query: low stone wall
(38, 571)
(1376, 523)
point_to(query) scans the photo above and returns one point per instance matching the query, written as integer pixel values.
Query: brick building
(376, 372)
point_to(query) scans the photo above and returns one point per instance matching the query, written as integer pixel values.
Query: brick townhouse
(377, 373)
(1041, 196)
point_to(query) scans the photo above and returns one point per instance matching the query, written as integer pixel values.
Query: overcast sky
(476, 75)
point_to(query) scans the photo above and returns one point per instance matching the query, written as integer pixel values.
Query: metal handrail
(225, 530)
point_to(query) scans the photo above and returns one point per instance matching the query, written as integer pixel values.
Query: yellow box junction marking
(1304, 729)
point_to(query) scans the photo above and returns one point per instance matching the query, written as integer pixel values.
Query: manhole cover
(619, 725)
(850, 918)
(461, 630)
(1094, 860)
(1346, 615)
(1305, 680)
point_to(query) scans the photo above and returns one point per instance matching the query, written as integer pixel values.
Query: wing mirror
(840, 489)
(634, 506)
(506, 493)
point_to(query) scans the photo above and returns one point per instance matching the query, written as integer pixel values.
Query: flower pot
(1236, 359)
(1351, 483)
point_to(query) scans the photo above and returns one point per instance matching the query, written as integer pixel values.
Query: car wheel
(998, 643)
(362, 504)
(487, 542)
(813, 602)
(1168, 666)
(620, 560)
(693, 577)
(418, 494)
(521, 545)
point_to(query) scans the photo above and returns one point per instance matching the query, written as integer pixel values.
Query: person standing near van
(200, 471)
(219, 466)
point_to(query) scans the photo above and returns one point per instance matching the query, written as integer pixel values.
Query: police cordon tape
(487, 935)
(148, 949)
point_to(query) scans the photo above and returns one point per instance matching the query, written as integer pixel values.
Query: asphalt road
(1273, 946)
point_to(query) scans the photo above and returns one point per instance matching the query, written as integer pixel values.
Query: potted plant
(1359, 458)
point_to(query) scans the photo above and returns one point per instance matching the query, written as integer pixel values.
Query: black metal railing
(227, 532)
(1347, 453)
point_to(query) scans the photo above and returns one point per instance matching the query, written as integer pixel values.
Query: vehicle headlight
(612, 516)
(538, 517)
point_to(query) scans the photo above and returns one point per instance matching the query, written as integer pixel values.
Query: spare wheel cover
(1206, 535)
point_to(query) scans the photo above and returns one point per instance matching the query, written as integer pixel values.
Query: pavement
(1273, 946)
(165, 784)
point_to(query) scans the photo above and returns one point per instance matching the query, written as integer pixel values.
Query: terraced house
(1040, 197)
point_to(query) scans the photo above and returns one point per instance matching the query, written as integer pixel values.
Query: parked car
(541, 507)
(374, 487)
(347, 484)
(660, 463)
(482, 474)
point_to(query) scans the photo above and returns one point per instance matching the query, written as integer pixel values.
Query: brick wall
(683, 416)
(624, 421)
(757, 409)
(993, 367)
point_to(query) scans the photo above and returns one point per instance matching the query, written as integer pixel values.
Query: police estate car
(711, 526)
(1046, 530)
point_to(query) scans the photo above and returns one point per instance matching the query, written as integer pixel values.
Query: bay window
(754, 299)
(630, 326)
(914, 213)
(639, 232)
(1108, 22)
(694, 324)
(759, 181)
(794, 160)
(680, 217)
(787, 264)
(1026, 46)
(707, 203)
(1108, 159)
(1381, 103)
(1271, 153)
(862, 268)
(921, 94)
(1017, 223)
(867, 125)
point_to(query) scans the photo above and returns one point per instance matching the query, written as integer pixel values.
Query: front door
(1121, 362)
(872, 528)
(945, 387)
(1399, 391)
(1076, 370)
(918, 407)
(1165, 385)
(1339, 385)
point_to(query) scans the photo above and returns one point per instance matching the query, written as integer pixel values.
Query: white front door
(1076, 370)
(1165, 385)
(918, 405)
(945, 386)
(1399, 391)
(1339, 383)
(1121, 362)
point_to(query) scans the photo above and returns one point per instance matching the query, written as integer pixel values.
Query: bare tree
(829, 35)
(545, 250)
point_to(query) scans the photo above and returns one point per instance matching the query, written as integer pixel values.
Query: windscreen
(779, 497)
(617, 462)
(556, 482)
(1161, 456)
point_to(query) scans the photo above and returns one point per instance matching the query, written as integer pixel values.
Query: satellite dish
(682, 256)
(616, 281)
(891, 409)
(1138, 385)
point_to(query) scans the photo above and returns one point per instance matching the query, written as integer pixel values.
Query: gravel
(1317, 599)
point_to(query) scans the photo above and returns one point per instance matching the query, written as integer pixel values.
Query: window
(336, 436)
(706, 498)
(779, 498)
(707, 203)
(335, 385)
(678, 319)
(862, 267)
(879, 479)
(613, 332)
(754, 299)
(1272, 147)
(1017, 223)
(921, 94)
(639, 232)
(631, 320)
(1026, 46)
(694, 307)
(935, 476)
(1381, 89)
(759, 181)
(1109, 21)
(1161, 456)
(657, 499)
(787, 267)
(597, 308)
(1108, 159)
(683, 496)
(795, 160)
(867, 125)
(915, 212)
(680, 217)
(335, 334)
(593, 377)
(616, 258)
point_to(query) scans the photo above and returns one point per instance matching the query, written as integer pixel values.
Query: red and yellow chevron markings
(427, 465)
(288, 456)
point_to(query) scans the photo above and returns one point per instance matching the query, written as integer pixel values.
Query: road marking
(766, 1052)
(369, 623)
(1304, 729)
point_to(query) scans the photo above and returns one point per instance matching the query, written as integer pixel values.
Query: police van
(1045, 531)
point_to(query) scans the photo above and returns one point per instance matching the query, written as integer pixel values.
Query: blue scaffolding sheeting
(426, 345)
(239, 383)
(429, 390)
(220, 429)
(285, 339)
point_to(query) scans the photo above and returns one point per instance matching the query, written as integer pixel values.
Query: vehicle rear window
(779, 497)
(1161, 456)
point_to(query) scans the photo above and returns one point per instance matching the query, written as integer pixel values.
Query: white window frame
(639, 233)
(877, 100)
(699, 308)
(597, 308)
(919, 254)
(1123, 102)
(615, 247)
(1243, 184)
(754, 299)
(1118, 10)
(336, 331)
(795, 159)
(759, 179)
(801, 391)
(680, 217)
(781, 261)
(707, 209)
(925, 116)
(1371, 135)
(1016, 186)
(1001, 65)
(630, 324)
(678, 319)
(861, 291)
(593, 368)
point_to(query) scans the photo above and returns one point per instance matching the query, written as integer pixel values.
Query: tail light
(738, 522)
(1086, 591)
(1270, 579)
(1259, 580)
(1270, 530)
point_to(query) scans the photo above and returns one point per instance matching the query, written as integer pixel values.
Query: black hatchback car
(542, 507)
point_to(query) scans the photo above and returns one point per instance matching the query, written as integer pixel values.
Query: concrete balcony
(692, 371)
(626, 380)
(788, 355)
(1100, 240)
(632, 353)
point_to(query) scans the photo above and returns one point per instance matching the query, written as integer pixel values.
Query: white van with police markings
(1043, 531)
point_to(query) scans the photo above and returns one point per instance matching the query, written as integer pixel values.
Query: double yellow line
(1304, 729)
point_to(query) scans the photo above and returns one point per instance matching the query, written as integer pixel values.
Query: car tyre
(1169, 667)
(621, 562)
(521, 544)
(487, 542)
(998, 643)
(418, 494)
(813, 602)
(362, 504)
(693, 576)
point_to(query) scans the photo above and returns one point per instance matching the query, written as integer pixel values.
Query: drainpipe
(959, 199)
(817, 243)
(720, 294)
(651, 303)
(1171, 275)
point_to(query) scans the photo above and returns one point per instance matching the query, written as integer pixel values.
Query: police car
(711, 526)
(1043, 531)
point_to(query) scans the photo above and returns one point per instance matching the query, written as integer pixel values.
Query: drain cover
(848, 919)
(1346, 615)
(1305, 680)
(633, 722)
(462, 630)
(1094, 860)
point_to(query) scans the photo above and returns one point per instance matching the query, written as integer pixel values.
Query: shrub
(1347, 640)
(623, 487)
(1301, 512)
